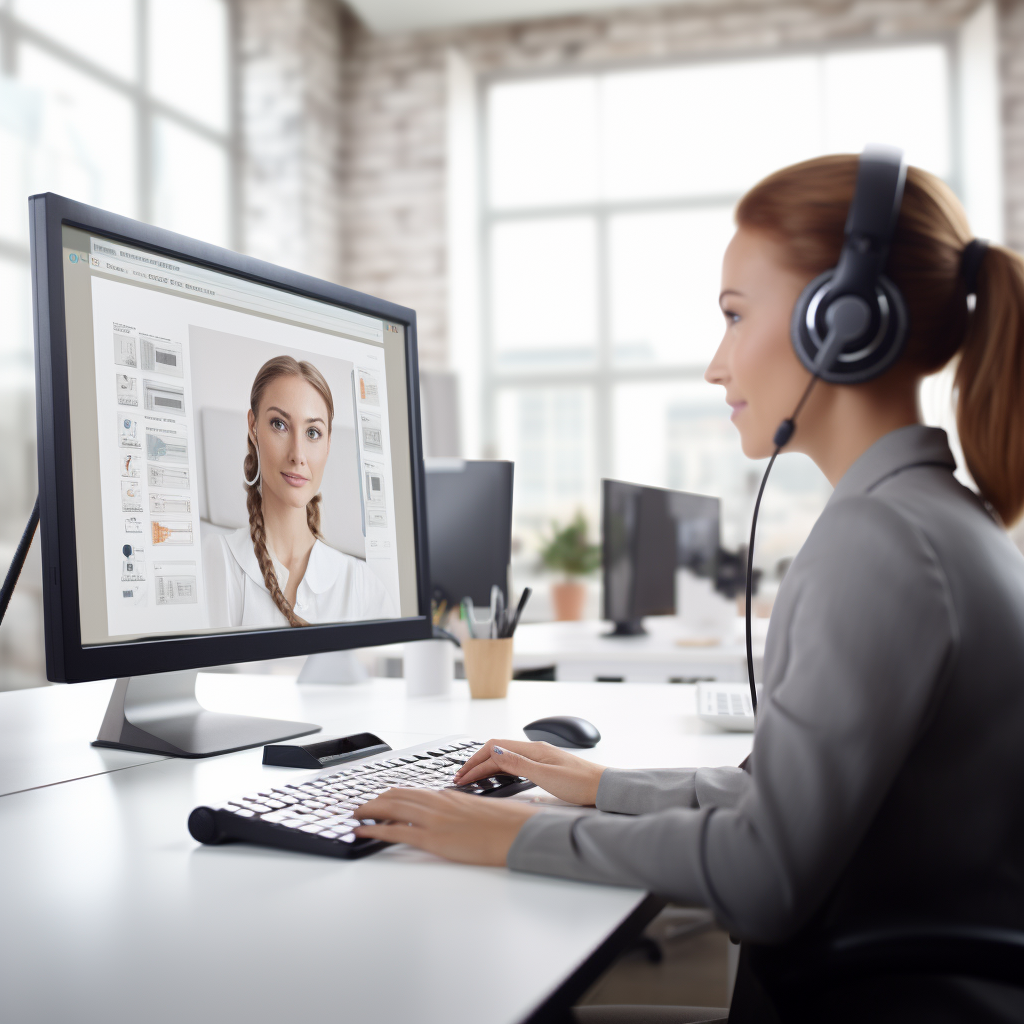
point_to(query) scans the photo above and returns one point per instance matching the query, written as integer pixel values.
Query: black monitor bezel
(502, 526)
(607, 487)
(67, 659)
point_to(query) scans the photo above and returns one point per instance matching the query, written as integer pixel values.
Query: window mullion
(7, 45)
(236, 228)
(143, 113)
(603, 425)
(489, 391)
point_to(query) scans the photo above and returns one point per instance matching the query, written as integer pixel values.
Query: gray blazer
(886, 782)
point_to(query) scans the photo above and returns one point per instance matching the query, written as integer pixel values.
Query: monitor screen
(216, 421)
(469, 525)
(650, 537)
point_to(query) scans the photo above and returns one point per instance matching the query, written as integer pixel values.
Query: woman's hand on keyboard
(458, 826)
(562, 774)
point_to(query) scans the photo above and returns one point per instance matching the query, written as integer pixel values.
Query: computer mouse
(563, 731)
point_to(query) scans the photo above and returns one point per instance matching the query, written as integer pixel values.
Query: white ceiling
(413, 15)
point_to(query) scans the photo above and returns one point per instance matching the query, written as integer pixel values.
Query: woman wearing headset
(278, 571)
(888, 764)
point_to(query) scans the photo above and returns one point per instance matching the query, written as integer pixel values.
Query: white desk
(112, 913)
(582, 650)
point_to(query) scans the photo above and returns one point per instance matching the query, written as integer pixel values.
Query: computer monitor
(206, 421)
(648, 536)
(469, 526)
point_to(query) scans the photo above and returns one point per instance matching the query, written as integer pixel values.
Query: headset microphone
(850, 323)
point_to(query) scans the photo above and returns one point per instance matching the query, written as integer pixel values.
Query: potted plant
(568, 551)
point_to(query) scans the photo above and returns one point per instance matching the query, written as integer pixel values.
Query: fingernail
(498, 750)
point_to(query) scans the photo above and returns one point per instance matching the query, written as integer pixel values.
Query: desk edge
(557, 1008)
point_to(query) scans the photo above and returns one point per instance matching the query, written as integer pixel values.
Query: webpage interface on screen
(164, 358)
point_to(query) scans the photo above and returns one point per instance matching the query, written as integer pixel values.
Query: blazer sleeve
(871, 637)
(642, 791)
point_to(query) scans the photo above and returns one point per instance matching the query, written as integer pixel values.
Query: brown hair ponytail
(281, 366)
(990, 384)
(804, 207)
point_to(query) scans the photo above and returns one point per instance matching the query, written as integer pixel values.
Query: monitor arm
(18, 562)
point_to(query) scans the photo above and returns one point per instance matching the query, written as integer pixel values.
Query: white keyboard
(726, 705)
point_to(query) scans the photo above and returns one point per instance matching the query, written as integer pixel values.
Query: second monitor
(469, 529)
(649, 536)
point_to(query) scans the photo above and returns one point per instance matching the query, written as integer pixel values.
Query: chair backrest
(794, 977)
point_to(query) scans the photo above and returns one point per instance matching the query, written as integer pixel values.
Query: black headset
(850, 323)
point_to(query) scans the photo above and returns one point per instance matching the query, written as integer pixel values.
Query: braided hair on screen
(274, 369)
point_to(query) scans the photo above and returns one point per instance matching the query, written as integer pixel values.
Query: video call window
(212, 419)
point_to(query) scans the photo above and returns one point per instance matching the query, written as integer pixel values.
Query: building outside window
(125, 105)
(607, 205)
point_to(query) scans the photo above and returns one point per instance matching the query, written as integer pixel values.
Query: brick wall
(1011, 78)
(394, 174)
(377, 130)
(290, 56)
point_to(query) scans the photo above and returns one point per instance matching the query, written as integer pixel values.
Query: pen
(467, 614)
(519, 611)
(495, 595)
(500, 621)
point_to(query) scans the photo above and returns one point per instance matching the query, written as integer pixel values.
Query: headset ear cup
(861, 360)
(799, 333)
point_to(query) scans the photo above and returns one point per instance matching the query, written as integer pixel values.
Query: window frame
(603, 376)
(146, 108)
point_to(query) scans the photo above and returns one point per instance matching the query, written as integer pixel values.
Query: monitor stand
(160, 714)
(634, 627)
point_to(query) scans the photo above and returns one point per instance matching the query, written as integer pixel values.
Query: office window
(607, 206)
(123, 105)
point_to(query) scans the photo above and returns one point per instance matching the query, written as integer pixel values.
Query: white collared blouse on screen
(336, 587)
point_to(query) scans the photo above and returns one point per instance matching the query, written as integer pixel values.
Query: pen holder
(488, 667)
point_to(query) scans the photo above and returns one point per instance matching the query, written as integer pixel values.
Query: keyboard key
(276, 817)
(350, 838)
(336, 820)
(328, 834)
(312, 829)
(243, 812)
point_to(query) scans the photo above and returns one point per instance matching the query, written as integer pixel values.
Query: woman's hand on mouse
(562, 774)
(452, 825)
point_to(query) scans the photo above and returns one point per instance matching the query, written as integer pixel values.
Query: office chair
(795, 984)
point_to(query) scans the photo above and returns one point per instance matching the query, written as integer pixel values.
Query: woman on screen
(279, 571)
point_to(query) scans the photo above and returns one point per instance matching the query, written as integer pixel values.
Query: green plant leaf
(568, 549)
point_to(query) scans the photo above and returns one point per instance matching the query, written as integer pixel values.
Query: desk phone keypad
(321, 813)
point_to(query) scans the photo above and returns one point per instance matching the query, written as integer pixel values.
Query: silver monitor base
(160, 714)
